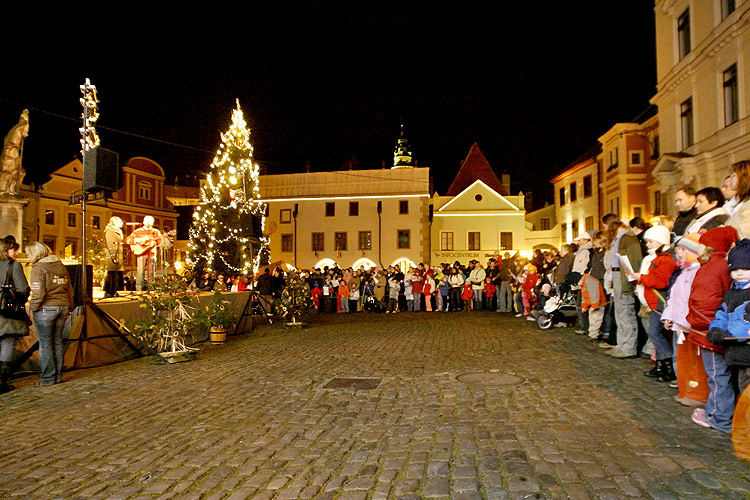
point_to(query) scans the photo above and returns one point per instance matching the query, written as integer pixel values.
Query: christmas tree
(221, 236)
(295, 298)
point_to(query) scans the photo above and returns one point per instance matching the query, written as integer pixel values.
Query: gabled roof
(479, 197)
(475, 167)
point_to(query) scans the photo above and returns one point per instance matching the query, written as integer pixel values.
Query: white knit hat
(659, 234)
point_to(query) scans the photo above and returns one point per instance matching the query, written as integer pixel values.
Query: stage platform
(103, 344)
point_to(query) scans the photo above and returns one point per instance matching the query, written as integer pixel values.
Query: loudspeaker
(101, 171)
(380, 207)
(74, 271)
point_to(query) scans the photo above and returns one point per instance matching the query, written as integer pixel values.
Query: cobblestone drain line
(250, 420)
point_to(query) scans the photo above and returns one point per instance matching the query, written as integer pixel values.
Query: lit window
(365, 240)
(339, 241)
(49, 217)
(71, 220)
(404, 238)
(95, 221)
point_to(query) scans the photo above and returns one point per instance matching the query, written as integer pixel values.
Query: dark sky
(535, 84)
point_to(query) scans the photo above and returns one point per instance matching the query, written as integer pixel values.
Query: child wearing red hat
(711, 283)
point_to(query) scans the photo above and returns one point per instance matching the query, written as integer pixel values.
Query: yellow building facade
(349, 218)
(703, 70)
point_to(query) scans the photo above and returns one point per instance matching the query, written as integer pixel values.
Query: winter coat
(629, 246)
(476, 278)
(710, 284)
(8, 326)
(528, 285)
(711, 219)
(582, 258)
(657, 279)
(740, 219)
(732, 319)
(50, 284)
(676, 309)
(563, 268)
(683, 220)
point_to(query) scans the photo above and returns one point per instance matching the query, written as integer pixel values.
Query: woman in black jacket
(10, 329)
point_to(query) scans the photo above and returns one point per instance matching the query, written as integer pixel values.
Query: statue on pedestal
(11, 170)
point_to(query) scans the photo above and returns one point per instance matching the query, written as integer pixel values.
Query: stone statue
(12, 173)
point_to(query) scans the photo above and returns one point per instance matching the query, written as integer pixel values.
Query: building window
(657, 202)
(285, 216)
(71, 220)
(545, 224)
(727, 7)
(686, 122)
(506, 240)
(564, 231)
(655, 154)
(589, 222)
(562, 196)
(49, 217)
(95, 222)
(574, 228)
(474, 240)
(636, 159)
(339, 241)
(287, 243)
(403, 207)
(365, 240)
(731, 98)
(612, 159)
(614, 205)
(318, 242)
(353, 208)
(573, 192)
(144, 190)
(330, 209)
(637, 211)
(683, 33)
(404, 238)
(587, 186)
(446, 240)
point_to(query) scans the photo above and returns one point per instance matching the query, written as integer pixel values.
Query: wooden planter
(218, 335)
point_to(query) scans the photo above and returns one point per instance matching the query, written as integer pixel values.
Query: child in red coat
(529, 298)
(489, 295)
(467, 295)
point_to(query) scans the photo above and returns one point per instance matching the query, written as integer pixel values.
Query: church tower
(402, 154)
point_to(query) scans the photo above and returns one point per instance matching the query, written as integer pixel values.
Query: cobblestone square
(552, 418)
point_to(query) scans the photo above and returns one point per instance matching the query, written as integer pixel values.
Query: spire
(476, 167)
(402, 154)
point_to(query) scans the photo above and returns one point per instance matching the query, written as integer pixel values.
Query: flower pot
(218, 335)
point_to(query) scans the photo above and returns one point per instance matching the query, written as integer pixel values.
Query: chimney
(307, 167)
(505, 181)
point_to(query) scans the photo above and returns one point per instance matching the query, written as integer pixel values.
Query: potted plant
(169, 319)
(219, 316)
(296, 300)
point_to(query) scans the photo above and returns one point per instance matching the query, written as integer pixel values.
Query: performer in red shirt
(143, 242)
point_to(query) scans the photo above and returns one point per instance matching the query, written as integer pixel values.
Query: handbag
(12, 303)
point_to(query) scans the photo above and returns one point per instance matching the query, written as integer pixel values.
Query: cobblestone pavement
(253, 419)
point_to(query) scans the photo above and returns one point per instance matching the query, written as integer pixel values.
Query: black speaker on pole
(74, 271)
(101, 171)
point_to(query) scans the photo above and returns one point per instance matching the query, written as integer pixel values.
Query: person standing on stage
(143, 242)
(114, 240)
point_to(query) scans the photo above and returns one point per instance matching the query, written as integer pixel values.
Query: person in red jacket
(529, 298)
(653, 282)
(710, 284)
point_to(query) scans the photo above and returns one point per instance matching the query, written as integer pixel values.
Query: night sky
(535, 85)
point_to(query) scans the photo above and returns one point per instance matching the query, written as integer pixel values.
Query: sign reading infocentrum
(463, 256)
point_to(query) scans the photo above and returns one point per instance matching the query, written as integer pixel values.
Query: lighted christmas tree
(221, 236)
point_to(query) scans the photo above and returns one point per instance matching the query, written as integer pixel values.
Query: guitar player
(143, 242)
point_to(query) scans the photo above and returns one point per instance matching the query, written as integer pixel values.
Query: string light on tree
(222, 223)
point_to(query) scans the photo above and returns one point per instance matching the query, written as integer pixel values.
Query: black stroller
(560, 308)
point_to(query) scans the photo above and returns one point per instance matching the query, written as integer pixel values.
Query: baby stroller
(558, 309)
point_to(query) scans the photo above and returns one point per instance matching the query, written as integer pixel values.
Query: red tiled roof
(474, 167)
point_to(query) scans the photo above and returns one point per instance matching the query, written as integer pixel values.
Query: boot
(4, 377)
(668, 374)
(656, 371)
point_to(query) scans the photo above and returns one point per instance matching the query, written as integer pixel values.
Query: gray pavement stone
(251, 419)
